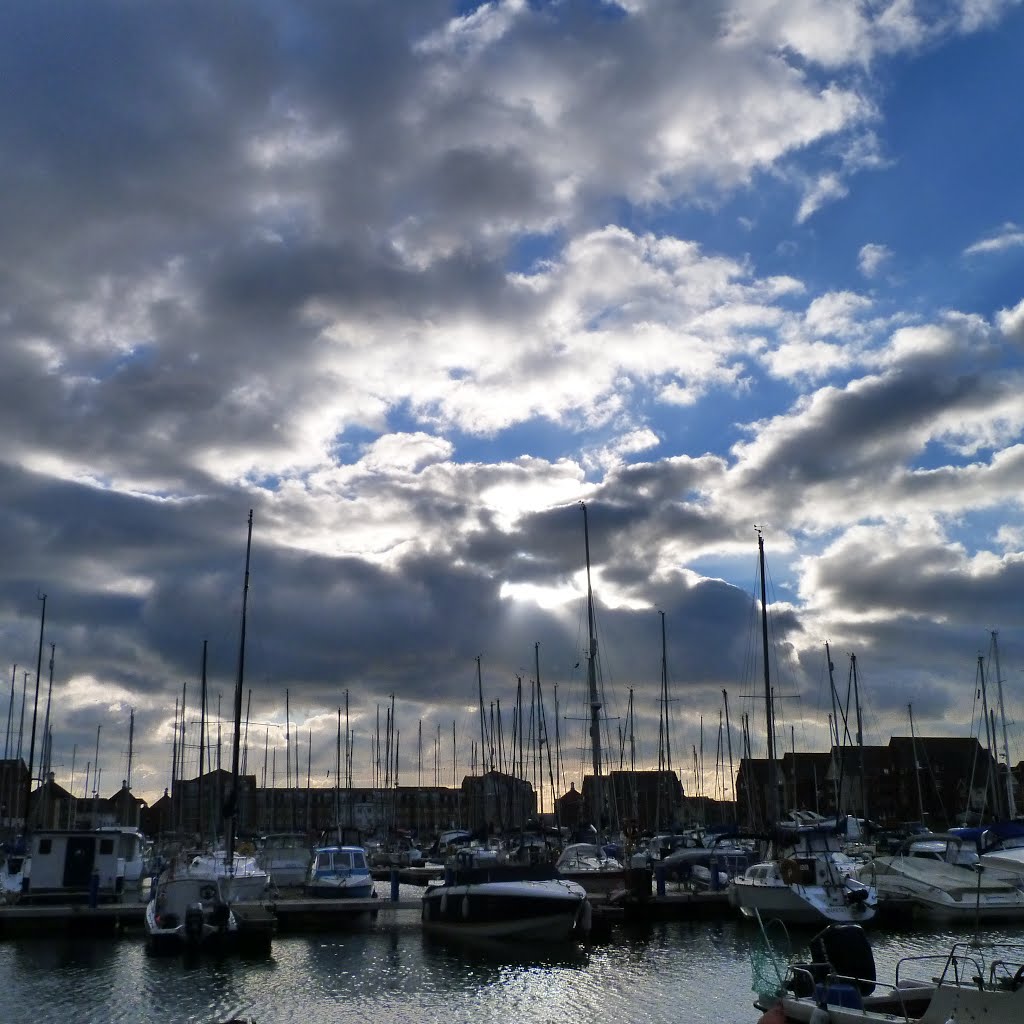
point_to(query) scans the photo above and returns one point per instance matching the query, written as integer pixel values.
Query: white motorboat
(339, 872)
(12, 873)
(515, 902)
(189, 913)
(592, 867)
(804, 884)
(285, 857)
(969, 984)
(249, 882)
(999, 844)
(940, 877)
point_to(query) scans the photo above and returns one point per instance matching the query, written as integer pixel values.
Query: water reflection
(658, 973)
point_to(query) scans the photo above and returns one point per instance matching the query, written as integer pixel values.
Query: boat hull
(525, 911)
(964, 1004)
(325, 889)
(794, 904)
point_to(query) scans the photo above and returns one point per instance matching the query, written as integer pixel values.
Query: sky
(412, 279)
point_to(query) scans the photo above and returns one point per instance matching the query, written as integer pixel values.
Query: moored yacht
(188, 913)
(339, 872)
(285, 857)
(248, 881)
(804, 884)
(939, 876)
(525, 903)
(592, 867)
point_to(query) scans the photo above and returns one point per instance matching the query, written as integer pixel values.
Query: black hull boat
(507, 902)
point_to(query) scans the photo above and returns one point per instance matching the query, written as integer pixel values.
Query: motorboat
(285, 857)
(188, 913)
(13, 857)
(339, 872)
(999, 845)
(486, 900)
(248, 881)
(709, 866)
(591, 866)
(804, 883)
(939, 876)
(970, 983)
(399, 851)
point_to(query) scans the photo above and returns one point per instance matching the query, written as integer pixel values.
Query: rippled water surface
(666, 973)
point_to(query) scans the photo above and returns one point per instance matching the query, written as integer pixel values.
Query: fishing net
(769, 961)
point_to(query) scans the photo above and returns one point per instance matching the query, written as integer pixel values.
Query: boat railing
(902, 1002)
(965, 964)
(958, 967)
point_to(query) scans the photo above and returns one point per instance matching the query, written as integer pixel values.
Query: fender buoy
(790, 871)
(465, 908)
(444, 903)
(587, 919)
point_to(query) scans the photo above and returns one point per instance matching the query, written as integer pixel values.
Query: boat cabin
(73, 865)
(133, 846)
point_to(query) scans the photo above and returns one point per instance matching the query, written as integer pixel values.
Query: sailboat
(803, 883)
(199, 904)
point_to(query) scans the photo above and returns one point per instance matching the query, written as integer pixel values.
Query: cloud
(1011, 321)
(871, 257)
(1009, 236)
(411, 284)
(824, 189)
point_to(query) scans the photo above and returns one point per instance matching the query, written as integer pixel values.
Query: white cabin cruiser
(804, 884)
(285, 857)
(940, 877)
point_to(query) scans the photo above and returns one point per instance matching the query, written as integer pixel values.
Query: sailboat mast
(35, 706)
(728, 738)
(232, 807)
(772, 807)
(860, 737)
(595, 703)
(1011, 808)
(202, 737)
(917, 767)
(990, 739)
(664, 695)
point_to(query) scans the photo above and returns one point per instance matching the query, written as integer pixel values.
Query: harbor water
(389, 971)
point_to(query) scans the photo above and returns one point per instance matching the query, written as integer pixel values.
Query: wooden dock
(297, 914)
(294, 915)
(26, 919)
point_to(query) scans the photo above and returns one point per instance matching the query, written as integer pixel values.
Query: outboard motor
(856, 892)
(846, 948)
(194, 917)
